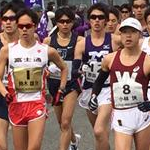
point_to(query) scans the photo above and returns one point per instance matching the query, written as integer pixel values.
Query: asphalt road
(81, 125)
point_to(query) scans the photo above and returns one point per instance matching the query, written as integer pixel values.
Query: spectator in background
(37, 9)
(117, 6)
(114, 19)
(50, 15)
(147, 20)
(83, 25)
(125, 11)
(43, 21)
(3, 3)
(139, 7)
(20, 4)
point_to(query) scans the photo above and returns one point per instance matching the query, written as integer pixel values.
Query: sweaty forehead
(64, 17)
(97, 12)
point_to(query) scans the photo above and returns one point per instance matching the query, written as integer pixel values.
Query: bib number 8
(126, 89)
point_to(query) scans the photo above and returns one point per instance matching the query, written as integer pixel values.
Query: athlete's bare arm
(47, 40)
(79, 49)
(147, 66)
(3, 62)
(55, 58)
(107, 61)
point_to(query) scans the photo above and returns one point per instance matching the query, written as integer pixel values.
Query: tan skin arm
(147, 66)
(79, 49)
(55, 58)
(107, 61)
(47, 40)
(3, 62)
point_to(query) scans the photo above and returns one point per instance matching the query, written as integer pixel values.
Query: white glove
(53, 68)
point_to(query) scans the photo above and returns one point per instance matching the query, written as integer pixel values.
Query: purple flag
(94, 1)
(42, 27)
(30, 3)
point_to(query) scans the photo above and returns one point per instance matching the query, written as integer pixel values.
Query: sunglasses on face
(139, 6)
(10, 18)
(100, 17)
(27, 26)
(62, 21)
(125, 12)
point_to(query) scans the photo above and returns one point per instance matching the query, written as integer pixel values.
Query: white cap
(131, 22)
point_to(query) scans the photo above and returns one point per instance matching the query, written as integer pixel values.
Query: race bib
(127, 95)
(92, 71)
(57, 73)
(5, 77)
(28, 79)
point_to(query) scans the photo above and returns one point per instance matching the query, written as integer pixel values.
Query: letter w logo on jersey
(126, 76)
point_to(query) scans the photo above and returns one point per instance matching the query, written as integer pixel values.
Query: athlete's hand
(93, 104)
(144, 106)
(59, 96)
(8, 98)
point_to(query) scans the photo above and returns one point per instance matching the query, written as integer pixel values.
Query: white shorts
(129, 121)
(103, 98)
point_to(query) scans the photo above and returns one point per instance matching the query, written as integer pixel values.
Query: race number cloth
(28, 79)
(56, 73)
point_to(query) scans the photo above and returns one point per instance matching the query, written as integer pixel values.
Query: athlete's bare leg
(3, 136)
(122, 141)
(101, 128)
(142, 139)
(66, 118)
(29, 138)
(20, 137)
(92, 117)
(35, 133)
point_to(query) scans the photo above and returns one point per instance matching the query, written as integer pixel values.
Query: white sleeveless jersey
(145, 47)
(26, 72)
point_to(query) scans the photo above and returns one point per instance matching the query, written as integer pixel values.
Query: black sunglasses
(125, 12)
(139, 6)
(27, 26)
(62, 21)
(100, 17)
(10, 18)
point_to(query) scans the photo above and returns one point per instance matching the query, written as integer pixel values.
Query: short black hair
(3, 3)
(64, 10)
(126, 6)
(114, 11)
(30, 13)
(99, 6)
(9, 6)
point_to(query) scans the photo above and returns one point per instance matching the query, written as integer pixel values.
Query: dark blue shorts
(3, 108)
(71, 85)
